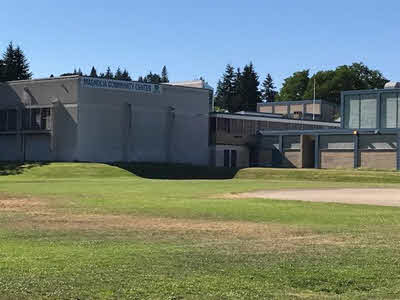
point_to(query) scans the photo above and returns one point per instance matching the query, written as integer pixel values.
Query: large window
(8, 120)
(390, 110)
(352, 111)
(360, 111)
(368, 110)
(36, 119)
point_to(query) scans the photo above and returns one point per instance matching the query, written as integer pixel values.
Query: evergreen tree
(109, 74)
(218, 97)
(118, 74)
(93, 72)
(14, 65)
(125, 76)
(236, 99)
(9, 69)
(141, 79)
(164, 74)
(225, 91)
(268, 91)
(152, 78)
(21, 65)
(2, 70)
(249, 93)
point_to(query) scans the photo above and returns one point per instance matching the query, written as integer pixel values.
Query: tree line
(124, 75)
(239, 90)
(13, 64)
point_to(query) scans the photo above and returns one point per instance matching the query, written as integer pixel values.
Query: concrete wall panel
(10, 148)
(337, 160)
(291, 159)
(378, 159)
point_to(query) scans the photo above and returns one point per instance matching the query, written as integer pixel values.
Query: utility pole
(313, 110)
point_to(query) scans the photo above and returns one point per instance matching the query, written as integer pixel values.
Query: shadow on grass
(176, 171)
(17, 168)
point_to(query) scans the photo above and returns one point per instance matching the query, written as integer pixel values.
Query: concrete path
(369, 196)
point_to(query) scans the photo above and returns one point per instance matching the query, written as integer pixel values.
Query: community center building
(98, 120)
(367, 137)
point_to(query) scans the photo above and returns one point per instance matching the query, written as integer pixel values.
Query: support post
(280, 149)
(316, 153)
(398, 152)
(355, 140)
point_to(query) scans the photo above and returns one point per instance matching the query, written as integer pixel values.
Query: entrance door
(308, 151)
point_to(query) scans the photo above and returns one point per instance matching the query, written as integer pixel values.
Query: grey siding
(124, 125)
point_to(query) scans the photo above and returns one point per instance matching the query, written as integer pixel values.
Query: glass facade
(361, 110)
(390, 110)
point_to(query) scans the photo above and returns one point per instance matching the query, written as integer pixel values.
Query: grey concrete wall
(171, 127)
(10, 147)
(60, 143)
(39, 92)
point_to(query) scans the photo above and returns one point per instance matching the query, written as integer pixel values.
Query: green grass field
(94, 231)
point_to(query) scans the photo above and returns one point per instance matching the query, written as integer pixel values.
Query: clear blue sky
(198, 38)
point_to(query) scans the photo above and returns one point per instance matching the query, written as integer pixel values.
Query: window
(36, 119)
(12, 119)
(352, 111)
(224, 125)
(8, 120)
(360, 111)
(226, 158)
(233, 158)
(368, 111)
(3, 120)
(389, 110)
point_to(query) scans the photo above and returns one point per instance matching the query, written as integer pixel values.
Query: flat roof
(290, 102)
(331, 131)
(272, 119)
(69, 77)
(373, 91)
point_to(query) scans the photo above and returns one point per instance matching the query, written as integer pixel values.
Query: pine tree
(125, 76)
(268, 91)
(14, 65)
(164, 74)
(21, 65)
(249, 92)
(2, 70)
(140, 79)
(225, 92)
(9, 70)
(93, 72)
(152, 78)
(118, 74)
(109, 74)
(218, 97)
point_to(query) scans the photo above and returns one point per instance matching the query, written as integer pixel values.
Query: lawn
(94, 231)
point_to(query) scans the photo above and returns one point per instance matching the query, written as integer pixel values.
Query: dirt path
(369, 196)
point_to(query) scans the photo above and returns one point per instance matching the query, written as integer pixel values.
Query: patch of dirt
(368, 196)
(11, 204)
(207, 233)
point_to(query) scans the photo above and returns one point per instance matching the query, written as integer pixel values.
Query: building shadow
(177, 171)
(18, 168)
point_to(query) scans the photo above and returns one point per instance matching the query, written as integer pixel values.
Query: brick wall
(337, 159)
(378, 159)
